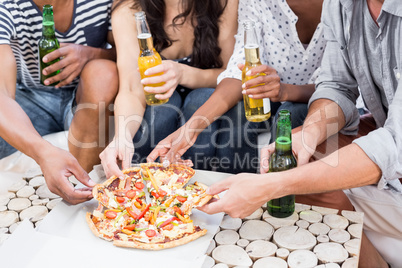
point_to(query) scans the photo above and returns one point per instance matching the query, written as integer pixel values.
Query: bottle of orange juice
(257, 110)
(149, 57)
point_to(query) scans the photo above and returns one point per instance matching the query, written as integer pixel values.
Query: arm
(130, 101)
(192, 77)
(16, 128)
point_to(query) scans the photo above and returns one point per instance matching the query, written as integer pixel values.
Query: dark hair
(204, 15)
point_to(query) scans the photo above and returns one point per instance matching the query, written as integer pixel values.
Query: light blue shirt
(346, 65)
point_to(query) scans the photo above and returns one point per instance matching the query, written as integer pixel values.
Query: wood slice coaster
(211, 247)
(7, 218)
(353, 247)
(33, 172)
(3, 208)
(256, 215)
(325, 211)
(259, 249)
(282, 253)
(229, 223)
(226, 237)
(17, 186)
(38, 223)
(4, 199)
(302, 259)
(338, 235)
(271, 262)
(37, 181)
(336, 221)
(44, 192)
(355, 230)
(231, 255)
(353, 216)
(25, 191)
(303, 224)
(208, 262)
(329, 265)
(40, 202)
(351, 263)
(280, 222)
(19, 204)
(256, 230)
(323, 238)
(293, 237)
(53, 203)
(301, 207)
(33, 197)
(331, 252)
(242, 243)
(34, 213)
(310, 216)
(319, 229)
(221, 265)
(10, 195)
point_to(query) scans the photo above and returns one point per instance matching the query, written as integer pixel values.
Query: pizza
(125, 217)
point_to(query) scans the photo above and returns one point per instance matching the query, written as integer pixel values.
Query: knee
(195, 99)
(99, 80)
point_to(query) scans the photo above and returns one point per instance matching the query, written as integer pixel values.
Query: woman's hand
(169, 72)
(263, 86)
(117, 153)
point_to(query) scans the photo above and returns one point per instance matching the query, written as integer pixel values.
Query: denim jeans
(49, 111)
(158, 123)
(229, 144)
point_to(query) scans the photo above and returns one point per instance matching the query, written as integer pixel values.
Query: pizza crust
(175, 243)
(93, 228)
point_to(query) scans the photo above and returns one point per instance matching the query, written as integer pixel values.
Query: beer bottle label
(267, 105)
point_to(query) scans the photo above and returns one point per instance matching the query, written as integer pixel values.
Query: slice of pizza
(187, 198)
(116, 193)
(175, 176)
(163, 230)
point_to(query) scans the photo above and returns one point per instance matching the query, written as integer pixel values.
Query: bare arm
(130, 101)
(16, 128)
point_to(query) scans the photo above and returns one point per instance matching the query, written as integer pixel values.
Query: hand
(174, 146)
(304, 144)
(245, 194)
(115, 154)
(73, 58)
(263, 86)
(169, 72)
(57, 166)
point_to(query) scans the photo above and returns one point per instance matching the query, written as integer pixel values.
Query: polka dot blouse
(280, 46)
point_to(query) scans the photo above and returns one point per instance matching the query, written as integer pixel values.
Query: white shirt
(280, 46)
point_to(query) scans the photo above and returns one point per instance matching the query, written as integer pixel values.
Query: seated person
(196, 43)
(29, 110)
(290, 60)
(370, 168)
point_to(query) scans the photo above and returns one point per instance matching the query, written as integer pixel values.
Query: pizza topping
(139, 185)
(110, 214)
(181, 199)
(131, 194)
(150, 233)
(161, 193)
(120, 199)
(130, 227)
(131, 213)
(143, 213)
(168, 227)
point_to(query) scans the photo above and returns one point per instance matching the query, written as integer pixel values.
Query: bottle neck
(146, 44)
(283, 145)
(252, 54)
(283, 142)
(48, 29)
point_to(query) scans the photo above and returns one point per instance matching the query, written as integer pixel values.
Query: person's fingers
(261, 69)
(73, 196)
(56, 54)
(219, 187)
(159, 151)
(80, 174)
(167, 95)
(212, 207)
(240, 66)
(265, 155)
(126, 161)
(67, 80)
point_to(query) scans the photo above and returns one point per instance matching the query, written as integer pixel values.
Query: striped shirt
(21, 28)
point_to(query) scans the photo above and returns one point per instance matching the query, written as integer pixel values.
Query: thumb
(240, 66)
(81, 175)
(265, 155)
(303, 158)
(219, 187)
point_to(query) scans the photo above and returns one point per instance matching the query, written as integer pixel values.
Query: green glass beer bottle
(282, 159)
(47, 43)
